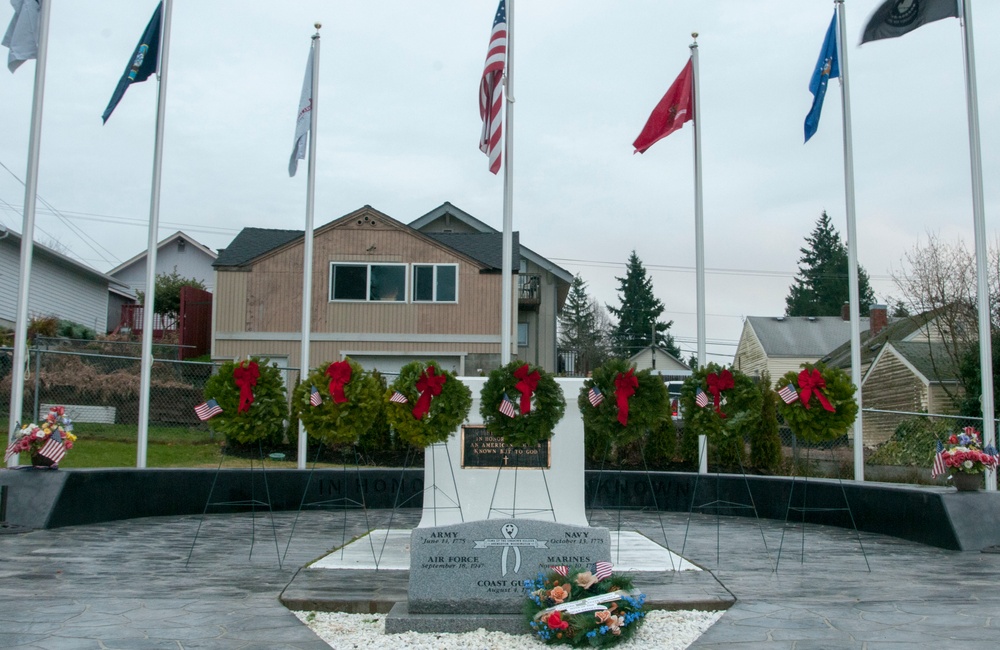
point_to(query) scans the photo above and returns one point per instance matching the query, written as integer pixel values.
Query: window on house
(522, 335)
(369, 282)
(435, 283)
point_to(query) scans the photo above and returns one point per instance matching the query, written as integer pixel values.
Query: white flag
(303, 120)
(22, 33)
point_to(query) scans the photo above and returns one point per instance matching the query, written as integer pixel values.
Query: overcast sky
(399, 124)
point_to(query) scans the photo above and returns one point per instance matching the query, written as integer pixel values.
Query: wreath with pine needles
(816, 424)
(646, 407)
(524, 429)
(448, 410)
(741, 404)
(265, 418)
(613, 610)
(338, 423)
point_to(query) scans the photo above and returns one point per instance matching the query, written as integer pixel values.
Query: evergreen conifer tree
(638, 313)
(581, 326)
(821, 286)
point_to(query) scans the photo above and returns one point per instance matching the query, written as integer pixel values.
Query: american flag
(788, 394)
(315, 398)
(398, 397)
(507, 407)
(491, 89)
(700, 398)
(53, 449)
(207, 410)
(11, 450)
(595, 396)
(562, 570)
(938, 469)
(602, 570)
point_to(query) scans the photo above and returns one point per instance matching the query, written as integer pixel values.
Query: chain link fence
(98, 383)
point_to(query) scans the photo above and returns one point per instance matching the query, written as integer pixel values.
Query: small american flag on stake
(700, 398)
(562, 570)
(595, 396)
(602, 570)
(315, 398)
(398, 397)
(207, 410)
(507, 407)
(11, 450)
(788, 394)
(938, 468)
(53, 449)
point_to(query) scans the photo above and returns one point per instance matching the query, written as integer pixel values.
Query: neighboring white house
(179, 252)
(60, 286)
(660, 362)
(779, 344)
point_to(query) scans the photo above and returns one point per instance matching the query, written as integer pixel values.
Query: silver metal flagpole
(979, 220)
(507, 289)
(699, 237)
(854, 293)
(699, 222)
(28, 230)
(307, 253)
(154, 229)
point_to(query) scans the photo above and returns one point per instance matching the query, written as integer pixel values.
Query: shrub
(914, 442)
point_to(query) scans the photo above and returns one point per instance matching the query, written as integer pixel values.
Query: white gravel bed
(662, 630)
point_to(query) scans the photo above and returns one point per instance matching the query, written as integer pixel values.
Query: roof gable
(177, 236)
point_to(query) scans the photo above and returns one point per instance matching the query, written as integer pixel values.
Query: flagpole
(154, 229)
(699, 225)
(854, 293)
(28, 231)
(307, 253)
(506, 283)
(979, 220)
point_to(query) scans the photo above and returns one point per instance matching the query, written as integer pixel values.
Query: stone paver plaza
(125, 585)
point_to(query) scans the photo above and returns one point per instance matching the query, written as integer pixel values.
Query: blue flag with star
(827, 68)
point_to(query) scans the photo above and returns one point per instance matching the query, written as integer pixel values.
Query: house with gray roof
(779, 344)
(384, 293)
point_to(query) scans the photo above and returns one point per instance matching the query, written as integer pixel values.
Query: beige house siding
(750, 357)
(898, 389)
(260, 308)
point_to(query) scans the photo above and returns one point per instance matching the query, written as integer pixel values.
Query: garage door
(389, 364)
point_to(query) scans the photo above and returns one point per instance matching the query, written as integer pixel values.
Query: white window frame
(434, 284)
(368, 282)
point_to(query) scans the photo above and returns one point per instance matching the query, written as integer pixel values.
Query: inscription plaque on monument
(482, 450)
(480, 567)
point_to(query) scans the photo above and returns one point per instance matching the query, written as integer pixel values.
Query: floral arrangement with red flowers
(583, 606)
(51, 439)
(965, 453)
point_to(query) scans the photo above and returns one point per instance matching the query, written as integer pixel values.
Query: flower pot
(37, 460)
(967, 482)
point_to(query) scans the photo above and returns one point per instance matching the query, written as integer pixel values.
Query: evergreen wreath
(739, 402)
(446, 410)
(646, 406)
(544, 399)
(338, 422)
(265, 416)
(824, 407)
(577, 608)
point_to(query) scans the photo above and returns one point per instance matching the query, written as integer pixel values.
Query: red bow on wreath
(811, 382)
(245, 375)
(528, 382)
(339, 373)
(429, 385)
(625, 385)
(718, 383)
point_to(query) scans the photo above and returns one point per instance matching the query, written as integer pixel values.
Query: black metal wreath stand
(253, 503)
